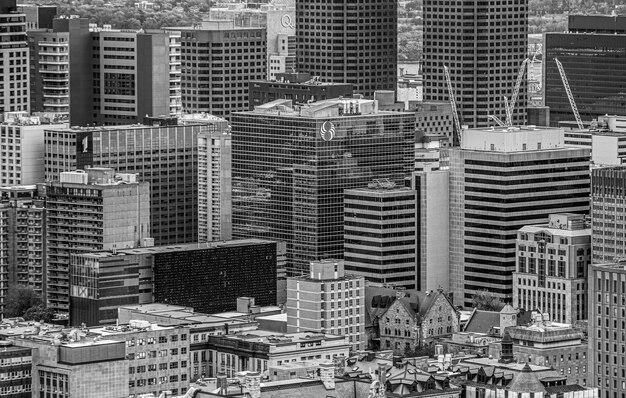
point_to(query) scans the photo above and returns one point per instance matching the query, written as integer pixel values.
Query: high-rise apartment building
(218, 61)
(22, 240)
(177, 160)
(608, 204)
(552, 263)
(60, 74)
(500, 180)
(135, 74)
(483, 44)
(22, 151)
(328, 300)
(593, 54)
(14, 81)
(349, 43)
(88, 212)
(292, 164)
(379, 234)
(607, 309)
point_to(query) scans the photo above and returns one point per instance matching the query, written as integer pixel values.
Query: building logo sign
(327, 131)
(287, 22)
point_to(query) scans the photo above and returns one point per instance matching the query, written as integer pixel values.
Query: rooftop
(555, 231)
(175, 248)
(273, 338)
(132, 327)
(330, 108)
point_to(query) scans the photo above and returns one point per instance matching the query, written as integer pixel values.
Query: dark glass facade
(210, 279)
(288, 181)
(595, 65)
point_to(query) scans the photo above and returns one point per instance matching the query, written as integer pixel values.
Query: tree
(39, 313)
(485, 300)
(19, 300)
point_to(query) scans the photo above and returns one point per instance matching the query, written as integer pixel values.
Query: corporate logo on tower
(327, 131)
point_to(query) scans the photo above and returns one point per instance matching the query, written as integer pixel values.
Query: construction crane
(497, 120)
(455, 115)
(531, 70)
(568, 91)
(518, 83)
(507, 111)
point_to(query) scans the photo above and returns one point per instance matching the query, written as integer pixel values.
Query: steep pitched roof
(482, 321)
(526, 381)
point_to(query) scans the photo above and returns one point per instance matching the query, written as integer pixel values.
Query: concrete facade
(500, 180)
(328, 301)
(608, 204)
(14, 78)
(552, 263)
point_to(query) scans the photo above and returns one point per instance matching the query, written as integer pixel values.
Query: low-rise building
(257, 351)
(158, 356)
(551, 344)
(16, 365)
(413, 321)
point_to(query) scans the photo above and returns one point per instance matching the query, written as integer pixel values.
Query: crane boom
(455, 114)
(507, 110)
(497, 120)
(518, 83)
(568, 91)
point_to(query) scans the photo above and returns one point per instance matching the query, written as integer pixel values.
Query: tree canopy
(19, 299)
(487, 301)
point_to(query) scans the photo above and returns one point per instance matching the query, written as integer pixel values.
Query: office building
(434, 119)
(607, 364)
(38, 16)
(173, 275)
(291, 165)
(500, 180)
(22, 239)
(432, 232)
(379, 234)
(483, 44)
(552, 262)
(168, 157)
(14, 81)
(22, 150)
(364, 55)
(592, 52)
(135, 74)
(60, 74)
(298, 87)
(218, 61)
(72, 364)
(608, 192)
(328, 301)
(157, 356)
(90, 211)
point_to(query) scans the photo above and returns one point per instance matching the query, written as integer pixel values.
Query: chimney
(327, 375)
(400, 292)
(253, 384)
(438, 349)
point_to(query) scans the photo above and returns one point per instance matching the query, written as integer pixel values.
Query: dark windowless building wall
(345, 41)
(500, 181)
(483, 43)
(594, 58)
(290, 168)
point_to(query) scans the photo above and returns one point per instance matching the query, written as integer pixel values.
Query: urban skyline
(313, 198)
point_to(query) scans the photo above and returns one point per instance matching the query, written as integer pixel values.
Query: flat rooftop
(556, 231)
(267, 337)
(177, 248)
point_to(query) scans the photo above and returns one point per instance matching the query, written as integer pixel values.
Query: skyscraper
(500, 180)
(379, 234)
(218, 61)
(483, 43)
(292, 164)
(14, 87)
(593, 54)
(88, 212)
(608, 192)
(349, 42)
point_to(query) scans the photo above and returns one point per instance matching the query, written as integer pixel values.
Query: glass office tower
(291, 166)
